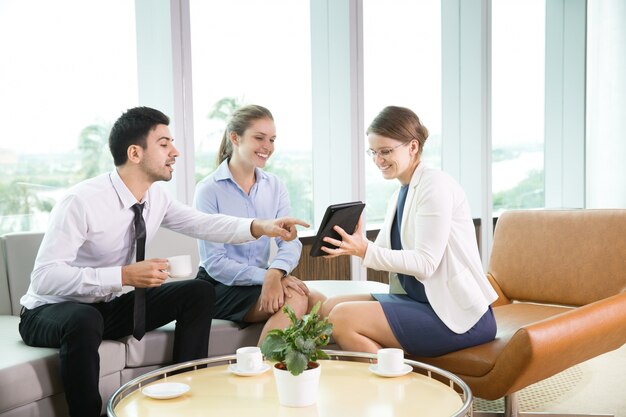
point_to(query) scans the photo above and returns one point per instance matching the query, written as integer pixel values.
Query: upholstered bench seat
(30, 383)
(30, 374)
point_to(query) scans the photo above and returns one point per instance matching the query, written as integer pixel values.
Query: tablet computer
(345, 215)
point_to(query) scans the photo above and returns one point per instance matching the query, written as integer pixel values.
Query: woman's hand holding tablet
(344, 215)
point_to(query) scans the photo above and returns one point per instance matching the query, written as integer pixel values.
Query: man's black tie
(139, 312)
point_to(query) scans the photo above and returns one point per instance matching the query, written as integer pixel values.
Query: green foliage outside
(296, 172)
(300, 342)
(31, 185)
(18, 198)
(529, 193)
(377, 196)
(293, 168)
(206, 160)
(224, 107)
(503, 154)
(95, 156)
(205, 164)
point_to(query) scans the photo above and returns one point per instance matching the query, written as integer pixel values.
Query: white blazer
(439, 249)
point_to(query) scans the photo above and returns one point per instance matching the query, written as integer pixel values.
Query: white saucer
(165, 390)
(405, 370)
(232, 368)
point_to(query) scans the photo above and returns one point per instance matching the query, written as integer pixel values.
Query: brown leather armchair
(561, 278)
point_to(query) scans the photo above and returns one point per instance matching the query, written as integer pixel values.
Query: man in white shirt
(75, 298)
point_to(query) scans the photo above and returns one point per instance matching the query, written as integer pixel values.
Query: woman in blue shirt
(250, 288)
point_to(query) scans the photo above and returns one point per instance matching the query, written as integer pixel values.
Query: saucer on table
(232, 368)
(405, 370)
(165, 390)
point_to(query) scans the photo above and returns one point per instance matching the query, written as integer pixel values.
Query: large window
(67, 74)
(255, 52)
(518, 45)
(65, 77)
(402, 67)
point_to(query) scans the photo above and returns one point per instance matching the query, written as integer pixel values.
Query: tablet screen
(345, 215)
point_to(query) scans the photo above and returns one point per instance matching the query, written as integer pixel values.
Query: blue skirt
(422, 333)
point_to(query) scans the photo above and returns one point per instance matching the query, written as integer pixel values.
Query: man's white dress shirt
(90, 237)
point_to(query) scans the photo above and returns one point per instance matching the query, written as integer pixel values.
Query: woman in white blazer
(440, 298)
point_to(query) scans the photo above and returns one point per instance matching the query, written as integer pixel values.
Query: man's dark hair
(132, 128)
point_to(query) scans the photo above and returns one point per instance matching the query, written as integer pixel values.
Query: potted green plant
(296, 350)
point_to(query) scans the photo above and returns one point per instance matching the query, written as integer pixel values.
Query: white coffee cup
(390, 360)
(249, 359)
(179, 266)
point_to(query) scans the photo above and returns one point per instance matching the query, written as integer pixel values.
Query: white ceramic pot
(297, 390)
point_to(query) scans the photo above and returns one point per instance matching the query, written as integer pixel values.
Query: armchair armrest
(502, 299)
(542, 349)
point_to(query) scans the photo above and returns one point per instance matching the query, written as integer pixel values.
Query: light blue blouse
(244, 264)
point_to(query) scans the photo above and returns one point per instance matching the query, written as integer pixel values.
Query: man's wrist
(277, 273)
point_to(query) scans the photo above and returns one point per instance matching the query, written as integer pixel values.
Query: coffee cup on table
(390, 360)
(179, 266)
(249, 359)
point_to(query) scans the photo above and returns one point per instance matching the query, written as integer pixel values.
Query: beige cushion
(28, 374)
(5, 298)
(129, 374)
(21, 249)
(227, 337)
(156, 346)
(54, 405)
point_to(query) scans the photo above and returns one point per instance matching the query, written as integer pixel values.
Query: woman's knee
(316, 297)
(299, 303)
(326, 308)
(341, 317)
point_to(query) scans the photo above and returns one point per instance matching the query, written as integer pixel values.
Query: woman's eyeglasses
(383, 153)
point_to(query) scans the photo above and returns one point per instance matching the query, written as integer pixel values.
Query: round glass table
(347, 387)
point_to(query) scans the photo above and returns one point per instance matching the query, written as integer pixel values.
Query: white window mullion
(466, 96)
(164, 78)
(183, 99)
(359, 273)
(338, 142)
